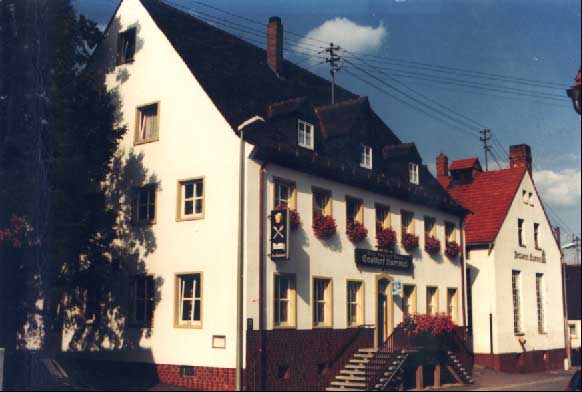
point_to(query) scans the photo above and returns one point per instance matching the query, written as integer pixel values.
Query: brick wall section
(311, 358)
(528, 362)
(205, 378)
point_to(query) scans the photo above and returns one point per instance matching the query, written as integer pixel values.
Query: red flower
(452, 250)
(432, 245)
(294, 218)
(386, 238)
(427, 324)
(356, 232)
(16, 233)
(323, 226)
(409, 242)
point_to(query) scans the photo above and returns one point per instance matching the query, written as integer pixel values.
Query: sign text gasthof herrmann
(279, 234)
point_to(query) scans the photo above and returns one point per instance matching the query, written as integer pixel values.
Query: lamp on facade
(574, 93)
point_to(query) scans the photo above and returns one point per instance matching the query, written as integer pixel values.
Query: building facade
(514, 273)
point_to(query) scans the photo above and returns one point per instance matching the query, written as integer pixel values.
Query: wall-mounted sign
(396, 288)
(383, 260)
(279, 234)
(530, 257)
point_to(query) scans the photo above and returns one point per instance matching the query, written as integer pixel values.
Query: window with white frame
(284, 300)
(354, 211)
(305, 134)
(407, 223)
(322, 302)
(520, 235)
(355, 303)
(413, 173)
(145, 205)
(142, 291)
(147, 123)
(452, 303)
(516, 297)
(366, 156)
(382, 217)
(126, 46)
(408, 299)
(432, 300)
(189, 300)
(540, 302)
(321, 202)
(191, 199)
(284, 194)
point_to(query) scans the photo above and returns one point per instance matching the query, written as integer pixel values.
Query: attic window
(413, 173)
(305, 134)
(365, 156)
(126, 46)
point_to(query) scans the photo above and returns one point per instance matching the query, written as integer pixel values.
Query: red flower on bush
(16, 233)
(323, 226)
(356, 232)
(294, 218)
(427, 324)
(452, 250)
(409, 242)
(432, 245)
(386, 238)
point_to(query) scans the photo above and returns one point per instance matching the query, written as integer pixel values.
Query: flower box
(323, 226)
(432, 245)
(386, 239)
(409, 242)
(452, 250)
(426, 325)
(356, 232)
(294, 218)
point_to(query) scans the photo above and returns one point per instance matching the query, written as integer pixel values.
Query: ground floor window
(322, 297)
(540, 302)
(408, 299)
(355, 303)
(189, 300)
(284, 300)
(516, 297)
(452, 303)
(432, 302)
(142, 296)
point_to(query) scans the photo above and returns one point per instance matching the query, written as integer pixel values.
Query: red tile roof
(465, 163)
(489, 197)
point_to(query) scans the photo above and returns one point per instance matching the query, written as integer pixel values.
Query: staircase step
(349, 384)
(364, 355)
(368, 350)
(350, 378)
(358, 361)
(353, 371)
(339, 389)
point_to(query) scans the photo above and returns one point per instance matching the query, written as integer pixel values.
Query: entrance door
(383, 310)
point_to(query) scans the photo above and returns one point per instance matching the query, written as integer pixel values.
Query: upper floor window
(366, 156)
(530, 198)
(321, 202)
(142, 297)
(382, 217)
(145, 205)
(450, 232)
(189, 300)
(407, 223)
(354, 211)
(125, 46)
(191, 199)
(147, 123)
(284, 194)
(413, 173)
(520, 237)
(537, 235)
(305, 134)
(429, 227)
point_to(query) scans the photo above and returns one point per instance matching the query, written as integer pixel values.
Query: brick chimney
(275, 44)
(442, 165)
(520, 157)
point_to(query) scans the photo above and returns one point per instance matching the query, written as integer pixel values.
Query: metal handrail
(376, 365)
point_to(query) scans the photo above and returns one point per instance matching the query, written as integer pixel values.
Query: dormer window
(413, 173)
(126, 46)
(305, 134)
(365, 156)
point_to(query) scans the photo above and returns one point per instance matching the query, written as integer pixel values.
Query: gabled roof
(466, 163)
(489, 197)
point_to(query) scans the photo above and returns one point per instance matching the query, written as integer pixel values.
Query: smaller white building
(514, 275)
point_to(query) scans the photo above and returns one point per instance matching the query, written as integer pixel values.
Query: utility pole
(333, 59)
(486, 146)
(576, 241)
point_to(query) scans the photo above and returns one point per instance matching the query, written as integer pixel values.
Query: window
(284, 301)
(189, 300)
(365, 156)
(520, 237)
(407, 223)
(452, 303)
(321, 202)
(413, 173)
(354, 211)
(142, 294)
(125, 46)
(572, 330)
(530, 198)
(540, 302)
(284, 194)
(450, 232)
(147, 123)
(190, 199)
(432, 300)
(429, 227)
(536, 230)
(524, 196)
(355, 303)
(516, 295)
(382, 217)
(322, 302)
(187, 371)
(90, 308)
(305, 134)
(408, 299)
(145, 205)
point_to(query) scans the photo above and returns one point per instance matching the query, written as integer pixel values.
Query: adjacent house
(573, 283)
(514, 275)
(373, 235)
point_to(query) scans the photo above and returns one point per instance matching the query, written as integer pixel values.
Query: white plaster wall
(194, 140)
(505, 246)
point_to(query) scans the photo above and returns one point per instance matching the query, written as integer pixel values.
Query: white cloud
(345, 33)
(561, 188)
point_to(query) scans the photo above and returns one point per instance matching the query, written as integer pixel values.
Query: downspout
(463, 270)
(262, 352)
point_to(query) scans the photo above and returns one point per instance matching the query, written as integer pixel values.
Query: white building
(185, 89)
(515, 291)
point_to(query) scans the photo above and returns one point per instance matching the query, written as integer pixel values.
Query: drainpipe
(262, 327)
(240, 259)
(463, 271)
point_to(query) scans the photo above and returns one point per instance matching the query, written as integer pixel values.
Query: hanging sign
(396, 288)
(384, 260)
(279, 234)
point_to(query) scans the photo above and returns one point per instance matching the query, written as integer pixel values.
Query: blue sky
(535, 40)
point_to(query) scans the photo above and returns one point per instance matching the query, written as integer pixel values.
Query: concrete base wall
(525, 362)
